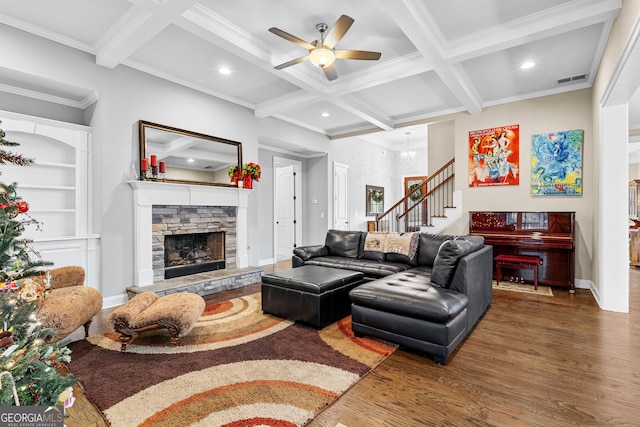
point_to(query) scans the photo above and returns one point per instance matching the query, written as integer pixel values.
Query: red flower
(22, 206)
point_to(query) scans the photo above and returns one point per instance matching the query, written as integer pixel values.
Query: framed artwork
(375, 200)
(494, 156)
(556, 163)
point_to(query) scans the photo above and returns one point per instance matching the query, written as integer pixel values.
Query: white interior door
(340, 196)
(287, 207)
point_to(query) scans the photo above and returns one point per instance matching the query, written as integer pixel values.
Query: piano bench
(520, 262)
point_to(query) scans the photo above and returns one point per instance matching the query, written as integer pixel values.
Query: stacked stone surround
(173, 219)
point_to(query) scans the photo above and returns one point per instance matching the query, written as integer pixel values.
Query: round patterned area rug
(236, 367)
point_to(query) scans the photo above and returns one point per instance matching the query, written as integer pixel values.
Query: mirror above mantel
(189, 157)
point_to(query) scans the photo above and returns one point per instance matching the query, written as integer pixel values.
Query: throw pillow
(446, 261)
(429, 246)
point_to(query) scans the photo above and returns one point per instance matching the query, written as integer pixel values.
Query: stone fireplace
(192, 239)
(162, 209)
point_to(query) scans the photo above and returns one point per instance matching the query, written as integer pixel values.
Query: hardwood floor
(531, 361)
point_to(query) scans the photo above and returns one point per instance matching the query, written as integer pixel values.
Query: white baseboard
(583, 284)
(588, 284)
(114, 301)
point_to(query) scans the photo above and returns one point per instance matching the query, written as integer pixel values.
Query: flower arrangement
(234, 174)
(252, 170)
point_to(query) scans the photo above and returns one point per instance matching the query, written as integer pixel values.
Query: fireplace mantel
(149, 193)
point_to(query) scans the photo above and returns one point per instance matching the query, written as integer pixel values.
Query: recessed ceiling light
(325, 114)
(190, 160)
(527, 65)
(224, 70)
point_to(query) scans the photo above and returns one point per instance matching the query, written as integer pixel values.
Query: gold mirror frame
(190, 157)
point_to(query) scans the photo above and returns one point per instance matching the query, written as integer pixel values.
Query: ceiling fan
(322, 52)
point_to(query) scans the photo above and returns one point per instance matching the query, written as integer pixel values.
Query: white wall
(441, 144)
(566, 111)
(371, 164)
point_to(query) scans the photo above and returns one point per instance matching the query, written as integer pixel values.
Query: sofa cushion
(429, 245)
(446, 261)
(370, 268)
(407, 294)
(343, 243)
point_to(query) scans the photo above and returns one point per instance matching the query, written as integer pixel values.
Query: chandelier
(407, 156)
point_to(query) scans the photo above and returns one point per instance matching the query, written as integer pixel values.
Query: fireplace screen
(186, 254)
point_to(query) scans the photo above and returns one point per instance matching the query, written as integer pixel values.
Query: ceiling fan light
(322, 57)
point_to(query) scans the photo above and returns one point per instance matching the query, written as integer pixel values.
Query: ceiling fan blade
(330, 72)
(291, 38)
(338, 31)
(357, 54)
(292, 62)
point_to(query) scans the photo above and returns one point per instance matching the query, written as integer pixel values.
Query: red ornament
(22, 206)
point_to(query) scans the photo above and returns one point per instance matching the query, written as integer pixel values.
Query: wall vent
(572, 78)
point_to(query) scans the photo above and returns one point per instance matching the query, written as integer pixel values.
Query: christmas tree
(28, 364)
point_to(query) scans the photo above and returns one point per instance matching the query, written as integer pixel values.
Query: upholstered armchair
(70, 304)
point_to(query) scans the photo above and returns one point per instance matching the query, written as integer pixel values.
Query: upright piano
(548, 235)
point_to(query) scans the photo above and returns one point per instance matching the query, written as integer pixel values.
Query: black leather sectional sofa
(428, 303)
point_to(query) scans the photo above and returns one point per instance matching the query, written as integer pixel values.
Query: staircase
(430, 207)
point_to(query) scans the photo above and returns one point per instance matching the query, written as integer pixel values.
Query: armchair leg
(124, 340)
(86, 328)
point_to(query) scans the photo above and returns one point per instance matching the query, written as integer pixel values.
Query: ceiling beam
(419, 26)
(561, 19)
(145, 20)
(376, 75)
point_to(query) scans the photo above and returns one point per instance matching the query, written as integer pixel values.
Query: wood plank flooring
(531, 361)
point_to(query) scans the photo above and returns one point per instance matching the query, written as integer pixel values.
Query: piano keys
(548, 235)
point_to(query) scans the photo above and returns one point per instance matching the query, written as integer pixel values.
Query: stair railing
(426, 201)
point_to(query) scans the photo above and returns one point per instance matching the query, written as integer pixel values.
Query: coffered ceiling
(438, 57)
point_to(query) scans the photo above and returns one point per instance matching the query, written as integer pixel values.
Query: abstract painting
(494, 156)
(556, 163)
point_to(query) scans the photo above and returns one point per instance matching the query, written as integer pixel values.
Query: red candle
(161, 167)
(154, 160)
(144, 164)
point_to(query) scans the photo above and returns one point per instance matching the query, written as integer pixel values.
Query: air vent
(572, 78)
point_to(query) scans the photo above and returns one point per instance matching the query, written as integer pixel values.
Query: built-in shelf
(47, 187)
(56, 187)
(55, 165)
(36, 211)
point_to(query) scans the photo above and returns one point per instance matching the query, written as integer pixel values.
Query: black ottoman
(312, 294)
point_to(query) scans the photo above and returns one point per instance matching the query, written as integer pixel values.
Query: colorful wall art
(556, 163)
(494, 156)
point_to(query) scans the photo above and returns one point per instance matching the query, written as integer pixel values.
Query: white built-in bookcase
(56, 187)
